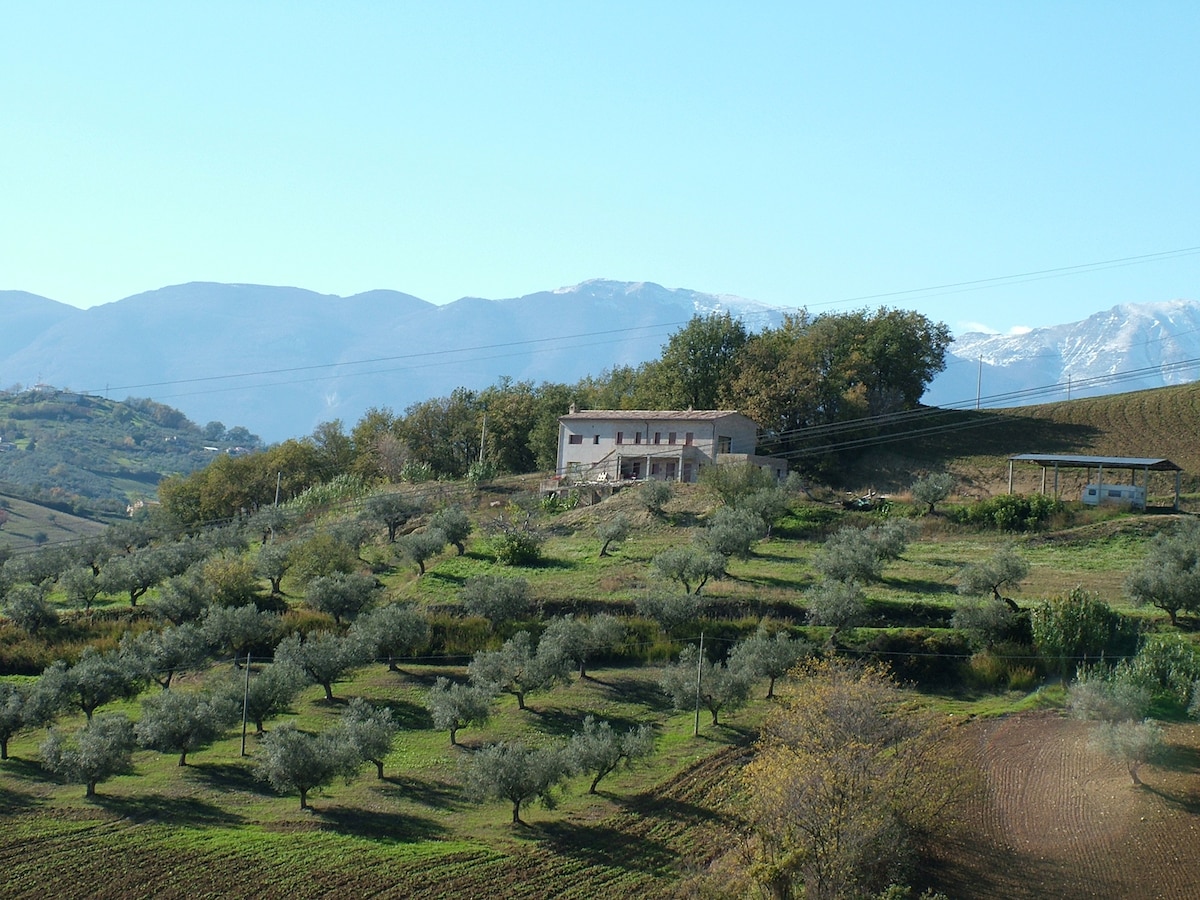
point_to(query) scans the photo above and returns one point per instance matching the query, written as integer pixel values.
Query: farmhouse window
(575, 439)
(687, 438)
(620, 437)
(658, 437)
(637, 437)
(670, 437)
(595, 438)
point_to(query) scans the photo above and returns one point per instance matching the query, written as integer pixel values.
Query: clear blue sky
(792, 153)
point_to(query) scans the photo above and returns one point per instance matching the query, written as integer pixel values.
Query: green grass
(212, 824)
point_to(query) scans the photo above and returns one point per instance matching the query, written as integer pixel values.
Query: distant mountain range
(281, 360)
(1130, 347)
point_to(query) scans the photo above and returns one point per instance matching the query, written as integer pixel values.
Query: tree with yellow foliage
(848, 775)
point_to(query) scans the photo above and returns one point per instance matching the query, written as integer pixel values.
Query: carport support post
(1056, 481)
(1010, 468)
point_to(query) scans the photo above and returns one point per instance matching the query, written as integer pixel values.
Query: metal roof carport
(1133, 464)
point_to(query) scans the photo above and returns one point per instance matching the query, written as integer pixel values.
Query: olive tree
(495, 598)
(716, 686)
(100, 750)
(342, 595)
(1169, 577)
(452, 521)
(732, 532)
(599, 750)
(612, 531)
(161, 655)
(454, 706)
(368, 732)
(836, 604)
(689, 566)
(391, 631)
(393, 509)
(767, 656)
(239, 629)
(519, 667)
(296, 762)
(13, 700)
(266, 693)
(421, 546)
(579, 640)
(931, 489)
(517, 773)
(1005, 568)
(184, 721)
(323, 656)
(96, 679)
(28, 608)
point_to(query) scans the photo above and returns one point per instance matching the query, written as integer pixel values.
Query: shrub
(1009, 512)
(924, 657)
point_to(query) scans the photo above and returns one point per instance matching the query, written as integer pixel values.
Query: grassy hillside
(975, 445)
(90, 456)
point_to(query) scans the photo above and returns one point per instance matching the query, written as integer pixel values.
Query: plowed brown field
(1056, 819)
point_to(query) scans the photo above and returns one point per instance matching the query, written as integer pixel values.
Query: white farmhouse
(599, 445)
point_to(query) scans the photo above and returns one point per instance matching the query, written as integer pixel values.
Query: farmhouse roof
(690, 415)
(1156, 464)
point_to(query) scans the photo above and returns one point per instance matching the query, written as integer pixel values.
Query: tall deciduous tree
(833, 368)
(697, 363)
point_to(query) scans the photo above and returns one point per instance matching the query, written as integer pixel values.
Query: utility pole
(979, 383)
(699, 674)
(245, 702)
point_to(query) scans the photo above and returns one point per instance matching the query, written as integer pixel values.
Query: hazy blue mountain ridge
(280, 360)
